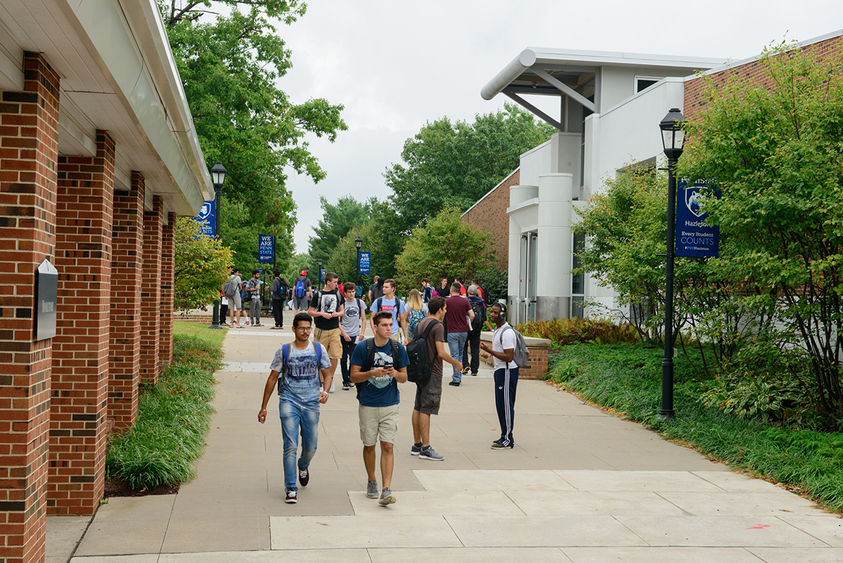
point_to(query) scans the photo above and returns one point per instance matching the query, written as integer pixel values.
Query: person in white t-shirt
(506, 373)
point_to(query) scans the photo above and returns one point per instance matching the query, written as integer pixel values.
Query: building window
(644, 82)
(577, 278)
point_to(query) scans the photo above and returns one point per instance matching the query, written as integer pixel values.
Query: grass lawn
(627, 379)
(169, 435)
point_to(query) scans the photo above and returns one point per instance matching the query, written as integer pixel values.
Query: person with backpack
(390, 303)
(305, 375)
(457, 320)
(352, 329)
(378, 364)
(326, 308)
(431, 332)
(279, 293)
(301, 290)
(504, 342)
(253, 288)
(231, 289)
(472, 342)
(416, 312)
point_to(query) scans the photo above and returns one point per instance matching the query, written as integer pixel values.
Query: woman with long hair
(417, 311)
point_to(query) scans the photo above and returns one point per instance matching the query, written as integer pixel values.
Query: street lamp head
(319, 262)
(358, 242)
(673, 133)
(218, 175)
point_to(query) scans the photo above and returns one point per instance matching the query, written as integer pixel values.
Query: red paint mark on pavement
(759, 527)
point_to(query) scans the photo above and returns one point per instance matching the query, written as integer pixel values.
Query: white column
(553, 287)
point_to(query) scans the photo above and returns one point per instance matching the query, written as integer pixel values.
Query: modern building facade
(610, 105)
(98, 156)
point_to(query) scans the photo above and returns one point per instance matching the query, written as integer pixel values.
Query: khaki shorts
(378, 422)
(331, 340)
(234, 302)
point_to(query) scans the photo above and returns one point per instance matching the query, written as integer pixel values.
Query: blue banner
(363, 262)
(206, 219)
(694, 237)
(266, 248)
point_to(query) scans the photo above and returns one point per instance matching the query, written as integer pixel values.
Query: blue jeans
(456, 343)
(294, 417)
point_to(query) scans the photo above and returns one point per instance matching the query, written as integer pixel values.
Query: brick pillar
(28, 153)
(150, 309)
(167, 287)
(126, 280)
(78, 427)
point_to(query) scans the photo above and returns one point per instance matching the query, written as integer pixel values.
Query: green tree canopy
(445, 247)
(201, 265)
(231, 60)
(337, 220)
(455, 163)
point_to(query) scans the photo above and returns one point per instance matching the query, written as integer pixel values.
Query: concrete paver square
(572, 503)
(217, 532)
(650, 554)
(491, 480)
(718, 531)
(63, 533)
(289, 556)
(361, 531)
(737, 482)
(597, 480)
(147, 558)
(827, 527)
(469, 555)
(146, 517)
(543, 532)
(414, 503)
(779, 502)
(802, 555)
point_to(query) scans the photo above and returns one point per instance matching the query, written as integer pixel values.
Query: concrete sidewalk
(580, 485)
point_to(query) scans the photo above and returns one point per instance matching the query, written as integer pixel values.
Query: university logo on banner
(206, 219)
(694, 236)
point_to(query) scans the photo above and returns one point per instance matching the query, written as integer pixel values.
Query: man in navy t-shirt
(377, 366)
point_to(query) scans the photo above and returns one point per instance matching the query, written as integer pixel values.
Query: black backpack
(479, 316)
(419, 369)
(370, 359)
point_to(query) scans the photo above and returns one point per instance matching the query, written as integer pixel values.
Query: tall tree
(337, 219)
(231, 59)
(454, 163)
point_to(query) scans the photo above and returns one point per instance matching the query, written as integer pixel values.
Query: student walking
(429, 393)
(352, 329)
(253, 288)
(391, 304)
(416, 312)
(472, 343)
(279, 293)
(378, 364)
(506, 374)
(231, 289)
(301, 291)
(327, 307)
(305, 372)
(456, 317)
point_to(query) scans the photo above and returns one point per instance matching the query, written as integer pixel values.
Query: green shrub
(172, 421)
(568, 331)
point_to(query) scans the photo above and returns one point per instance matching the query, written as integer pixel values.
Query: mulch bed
(119, 488)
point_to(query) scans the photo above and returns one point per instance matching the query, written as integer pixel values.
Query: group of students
(302, 375)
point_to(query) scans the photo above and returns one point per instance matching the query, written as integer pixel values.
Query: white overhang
(117, 74)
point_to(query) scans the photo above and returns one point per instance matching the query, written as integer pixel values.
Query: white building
(609, 108)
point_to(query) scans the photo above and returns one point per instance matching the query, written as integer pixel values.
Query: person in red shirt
(458, 315)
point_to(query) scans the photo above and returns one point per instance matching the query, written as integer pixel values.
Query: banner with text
(363, 262)
(694, 237)
(206, 219)
(266, 248)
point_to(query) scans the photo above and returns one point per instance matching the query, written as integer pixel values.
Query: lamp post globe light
(218, 179)
(358, 242)
(673, 139)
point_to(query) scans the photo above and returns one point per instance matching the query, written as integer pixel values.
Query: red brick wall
(80, 349)
(490, 215)
(753, 71)
(126, 280)
(150, 307)
(28, 152)
(167, 272)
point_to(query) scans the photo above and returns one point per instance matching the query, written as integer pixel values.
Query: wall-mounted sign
(266, 248)
(46, 300)
(206, 218)
(364, 262)
(694, 236)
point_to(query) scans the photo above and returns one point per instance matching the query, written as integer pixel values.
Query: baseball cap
(303, 273)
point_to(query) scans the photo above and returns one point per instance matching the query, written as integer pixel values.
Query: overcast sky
(396, 64)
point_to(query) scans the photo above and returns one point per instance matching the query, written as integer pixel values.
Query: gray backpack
(521, 354)
(230, 288)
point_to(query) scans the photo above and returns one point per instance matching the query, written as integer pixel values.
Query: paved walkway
(580, 485)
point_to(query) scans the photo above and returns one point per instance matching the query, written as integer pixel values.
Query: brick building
(489, 214)
(610, 107)
(98, 156)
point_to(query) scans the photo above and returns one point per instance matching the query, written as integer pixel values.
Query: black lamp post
(319, 269)
(218, 179)
(673, 137)
(358, 242)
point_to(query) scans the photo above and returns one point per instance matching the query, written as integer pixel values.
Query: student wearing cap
(301, 291)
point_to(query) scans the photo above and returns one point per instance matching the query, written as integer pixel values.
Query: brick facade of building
(489, 214)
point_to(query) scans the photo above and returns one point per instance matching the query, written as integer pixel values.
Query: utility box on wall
(46, 297)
